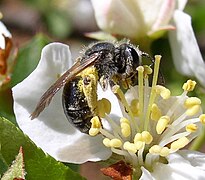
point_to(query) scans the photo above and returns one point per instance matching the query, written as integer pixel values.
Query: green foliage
(17, 168)
(28, 58)
(38, 165)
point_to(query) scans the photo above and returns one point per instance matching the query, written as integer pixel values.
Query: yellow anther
(189, 102)
(116, 143)
(140, 69)
(191, 128)
(106, 142)
(95, 122)
(202, 118)
(139, 145)
(134, 106)
(130, 147)
(164, 92)
(189, 85)
(138, 137)
(180, 143)
(93, 131)
(162, 124)
(147, 70)
(164, 151)
(156, 149)
(155, 112)
(95, 126)
(104, 107)
(124, 120)
(146, 137)
(125, 127)
(193, 110)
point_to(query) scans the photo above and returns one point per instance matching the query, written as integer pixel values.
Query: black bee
(111, 61)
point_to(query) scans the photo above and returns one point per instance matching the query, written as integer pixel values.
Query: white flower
(185, 50)
(146, 128)
(134, 19)
(138, 20)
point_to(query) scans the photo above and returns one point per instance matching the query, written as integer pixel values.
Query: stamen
(125, 127)
(145, 136)
(165, 151)
(164, 92)
(153, 92)
(191, 128)
(134, 106)
(189, 85)
(202, 118)
(130, 147)
(162, 124)
(115, 143)
(140, 70)
(180, 143)
(155, 149)
(95, 126)
(155, 112)
(104, 107)
(117, 91)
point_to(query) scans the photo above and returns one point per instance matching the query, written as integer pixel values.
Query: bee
(107, 62)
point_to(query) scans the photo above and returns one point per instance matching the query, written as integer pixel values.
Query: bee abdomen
(75, 106)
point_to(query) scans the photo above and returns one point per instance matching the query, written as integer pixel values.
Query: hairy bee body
(112, 63)
(75, 105)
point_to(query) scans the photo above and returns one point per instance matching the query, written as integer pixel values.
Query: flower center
(154, 124)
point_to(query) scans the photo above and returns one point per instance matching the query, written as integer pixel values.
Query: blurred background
(34, 23)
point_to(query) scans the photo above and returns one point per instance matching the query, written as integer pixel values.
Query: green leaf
(58, 23)
(38, 165)
(28, 58)
(17, 168)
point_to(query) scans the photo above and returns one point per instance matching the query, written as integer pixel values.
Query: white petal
(115, 16)
(146, 175)
(197, 159)
(177, 168)
(181, 4)
(3, 32)
(185, 50)
(51, 130)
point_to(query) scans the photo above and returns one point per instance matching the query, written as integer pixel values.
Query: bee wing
(67, 76)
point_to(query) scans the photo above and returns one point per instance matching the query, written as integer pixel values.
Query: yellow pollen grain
(155, 112)
(164, 92)
(130, 147)
(189, 85)
(155, 149)
(106, 142)
(116, 143)
(164, 151)
(180, 143)
(134, 106)
(162, 124)
(191, 128)
(104, 107)
(202, 118)
(146, 137)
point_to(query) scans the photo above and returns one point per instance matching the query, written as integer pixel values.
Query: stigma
(154, 123)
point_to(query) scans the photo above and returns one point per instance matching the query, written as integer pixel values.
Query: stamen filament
(153, 93)
(140, 70)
